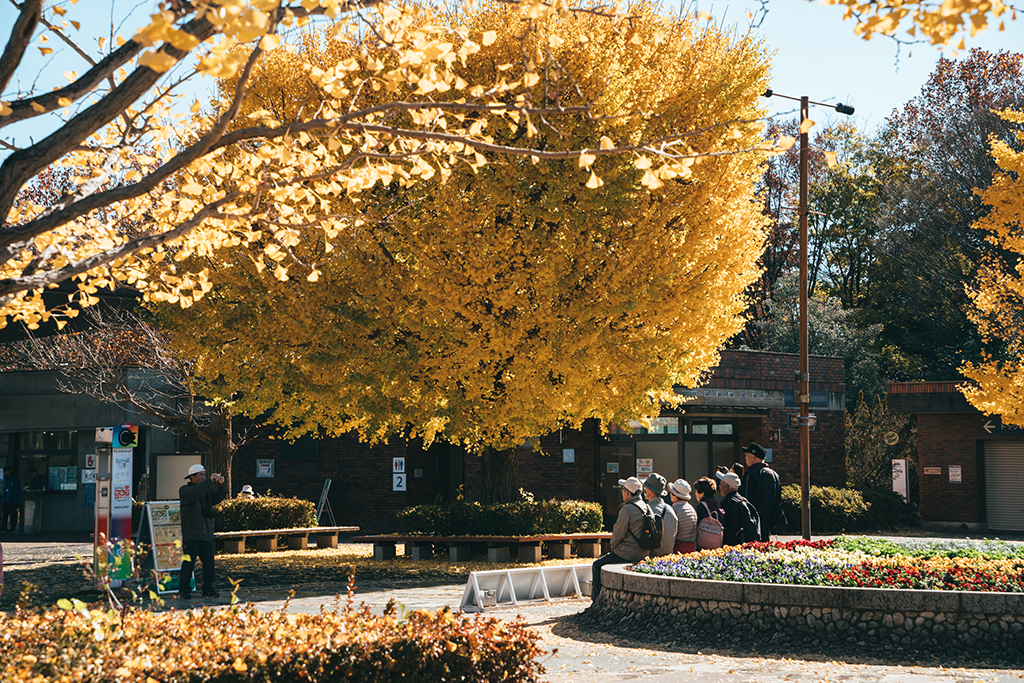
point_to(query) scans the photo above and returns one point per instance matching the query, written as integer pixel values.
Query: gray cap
(655, 483)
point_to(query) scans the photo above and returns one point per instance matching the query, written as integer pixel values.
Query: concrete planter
(820, 618)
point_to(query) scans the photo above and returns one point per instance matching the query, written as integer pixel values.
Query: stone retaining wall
(863, 621)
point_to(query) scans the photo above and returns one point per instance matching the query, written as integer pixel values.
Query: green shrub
(265, 512)
(835, 509)
(888, 510)
(522, 518)
(244, 644)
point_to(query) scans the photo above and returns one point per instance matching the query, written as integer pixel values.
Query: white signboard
(955, 477)
(399, 482)
(644, 466)
(265, 468)
(398, 465)
(88, 476)
(90, 461)
(899, 477)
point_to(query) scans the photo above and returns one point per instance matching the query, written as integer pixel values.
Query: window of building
(47, 461)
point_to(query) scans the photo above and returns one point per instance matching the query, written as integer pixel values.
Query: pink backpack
(710, 532)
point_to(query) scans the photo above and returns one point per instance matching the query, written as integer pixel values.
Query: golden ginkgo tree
(997, 386)
(153, 183)
(489, 303)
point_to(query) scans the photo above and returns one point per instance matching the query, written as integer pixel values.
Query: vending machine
(112, 531)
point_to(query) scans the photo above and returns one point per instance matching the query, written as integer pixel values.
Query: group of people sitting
(751, 508)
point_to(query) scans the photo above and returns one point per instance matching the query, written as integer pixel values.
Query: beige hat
(194, 469)
(632, 484)
(680, 488)
(732, 479)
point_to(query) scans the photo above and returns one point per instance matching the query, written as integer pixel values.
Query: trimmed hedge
(265, 512)
(522, 518)
(835, 509)
(243, 644)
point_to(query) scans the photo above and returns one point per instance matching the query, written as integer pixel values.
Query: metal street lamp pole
(804, 377)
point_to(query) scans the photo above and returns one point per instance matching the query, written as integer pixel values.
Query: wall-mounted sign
(933, 470)
(955, 476)
(398, 465)
(88, 476)
(899, 477)
(398, 482)
(90, 462)
(613, 468)
(265, 468)
(891, 438)
(568, 455)
(644, 466)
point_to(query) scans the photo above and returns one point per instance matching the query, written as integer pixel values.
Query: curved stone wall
(817, 618)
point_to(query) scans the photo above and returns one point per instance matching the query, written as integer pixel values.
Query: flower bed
(856, 563)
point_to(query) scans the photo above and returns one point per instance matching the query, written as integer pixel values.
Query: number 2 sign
(399, 482)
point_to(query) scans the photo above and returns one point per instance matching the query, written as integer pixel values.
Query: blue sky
(815, 53)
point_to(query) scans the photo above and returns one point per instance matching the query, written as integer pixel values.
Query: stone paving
(593, 657)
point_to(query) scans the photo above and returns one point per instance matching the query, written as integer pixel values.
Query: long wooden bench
(459, 547)
(298, 538)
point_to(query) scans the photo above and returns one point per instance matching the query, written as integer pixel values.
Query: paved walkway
(597, 659)
(580, 656)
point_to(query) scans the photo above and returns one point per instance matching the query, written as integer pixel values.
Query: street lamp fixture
(803, 377)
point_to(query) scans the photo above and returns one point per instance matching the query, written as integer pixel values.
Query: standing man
(762, 488)
(628, 527)
(742, 524)
(197, 499)
(10, 500)
(654, 486)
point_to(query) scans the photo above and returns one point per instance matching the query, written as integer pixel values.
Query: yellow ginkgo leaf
(786, 142)
(805, 126)
(606, 142)
(830, 159)
(587, 160)
(594, 182)
(489, 37)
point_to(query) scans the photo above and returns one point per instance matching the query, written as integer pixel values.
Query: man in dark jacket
(762, 488)
(197, 499)
(10, 500)
(741, 520)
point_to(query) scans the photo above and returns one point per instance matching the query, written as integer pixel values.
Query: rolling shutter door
(1004, 485)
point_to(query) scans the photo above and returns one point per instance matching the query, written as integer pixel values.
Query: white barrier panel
(505, 587)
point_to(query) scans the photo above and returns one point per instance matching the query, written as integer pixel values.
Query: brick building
(748, 397)
(970, 466)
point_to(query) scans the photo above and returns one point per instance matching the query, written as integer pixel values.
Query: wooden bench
(298, 538)
(459, 547)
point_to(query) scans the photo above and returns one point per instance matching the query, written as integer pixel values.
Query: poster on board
(160, 531)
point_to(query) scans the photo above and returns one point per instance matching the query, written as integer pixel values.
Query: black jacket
(762, 488)
(197, 501)
(741, 522)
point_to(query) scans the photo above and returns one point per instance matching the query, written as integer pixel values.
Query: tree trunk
(500, 475)
(221, 444)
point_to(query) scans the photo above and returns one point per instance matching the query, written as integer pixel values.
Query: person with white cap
(686, 526)
(246, 492)
(628, 527)
(197, 499)
(742, 524)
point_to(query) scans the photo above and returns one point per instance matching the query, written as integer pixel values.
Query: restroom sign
(398, 465)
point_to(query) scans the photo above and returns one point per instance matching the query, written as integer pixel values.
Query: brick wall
(946, 439)
(545, 474)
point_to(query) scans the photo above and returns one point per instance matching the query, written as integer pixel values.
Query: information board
(160, 531)
(162, 521)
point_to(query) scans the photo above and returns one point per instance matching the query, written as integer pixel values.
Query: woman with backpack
(686, 529)
(707, 507)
